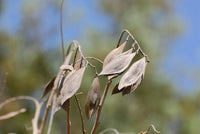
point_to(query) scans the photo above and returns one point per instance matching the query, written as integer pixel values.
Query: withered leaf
(71, 84)
(49, 86)
(93, 98)
(118, 64)
(113, 54)
(133, 74)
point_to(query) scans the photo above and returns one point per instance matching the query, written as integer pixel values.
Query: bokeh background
(167, 30)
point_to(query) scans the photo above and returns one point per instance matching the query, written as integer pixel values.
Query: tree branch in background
(12, 114)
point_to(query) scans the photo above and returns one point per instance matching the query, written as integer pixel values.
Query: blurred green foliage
(30, 67)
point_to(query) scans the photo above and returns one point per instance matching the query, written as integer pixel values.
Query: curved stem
(154, 129)
(135, 43)
(37, 111)
(109, 129)
(94, 58)
(83, 57)
(96, 124)
(120, 38)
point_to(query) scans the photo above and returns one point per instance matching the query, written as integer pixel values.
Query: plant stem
(61, 30)
(75, 42)
(63, 52)
(100, 107)
(38, 107)
(68, 117)
(81, 114)
(135, 43)
(48, 106)
(94, 58)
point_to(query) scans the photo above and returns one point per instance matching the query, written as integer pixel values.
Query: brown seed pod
(115, 75)
(133, 74)
(71, 84)
(113, 54)
(49, 87)
(131, 88)
(93, 98)
(56, 80)
(118, 64)
(116, 90)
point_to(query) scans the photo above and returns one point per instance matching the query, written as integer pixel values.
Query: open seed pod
(118, 64)
(71, 84)
(132, 88)
(93, 98)
(113, 54)
(124, 53)
(78, 60)
(54, 83)
(132, 78)
(116, 90)
(133, 74)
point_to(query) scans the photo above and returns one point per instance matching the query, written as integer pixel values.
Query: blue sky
(184, 52)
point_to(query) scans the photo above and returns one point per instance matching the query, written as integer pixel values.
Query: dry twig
(12, 114)
(37, 111)
(81, 113)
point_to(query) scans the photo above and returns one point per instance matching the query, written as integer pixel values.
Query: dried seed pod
(116, 90)
(78, 60)
(115, 75)
(66, 105)
(93, 98)
(118, 64)
(133, 74)
(68, 58)
(131, 88)
(49, 87)
(113, 54)
(66, 67)
(71, 84)
(56, 80)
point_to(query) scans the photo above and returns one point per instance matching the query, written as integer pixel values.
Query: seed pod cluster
(117, 62)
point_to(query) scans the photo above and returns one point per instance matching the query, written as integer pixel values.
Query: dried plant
(67, 82)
